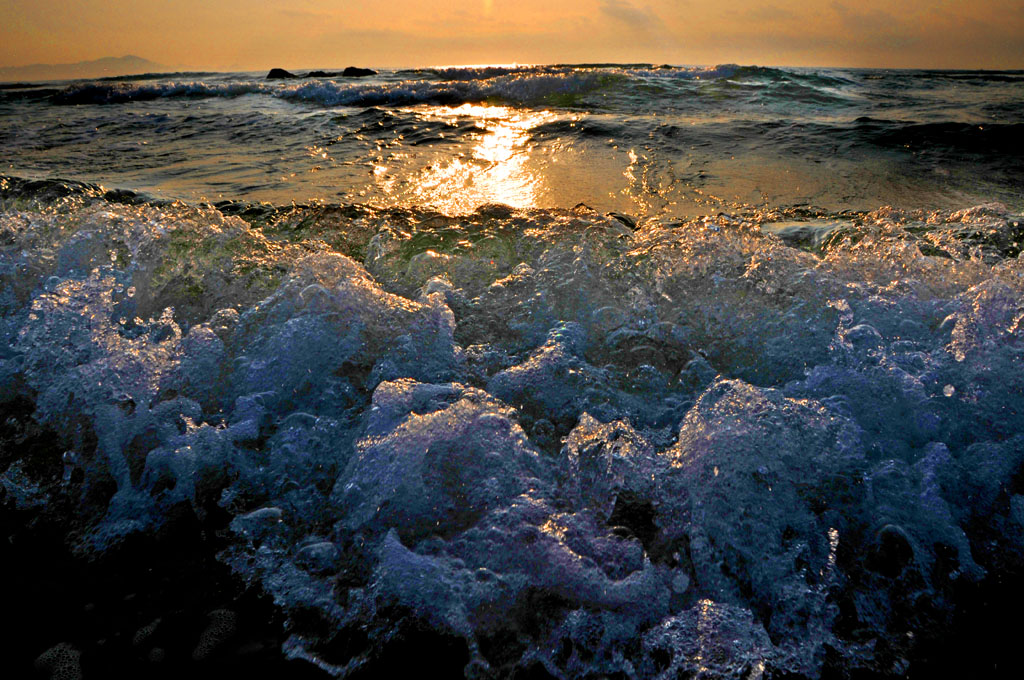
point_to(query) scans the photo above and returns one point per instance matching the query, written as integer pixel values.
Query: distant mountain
(97, 68)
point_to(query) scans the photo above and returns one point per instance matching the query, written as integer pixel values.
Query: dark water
(570, 372)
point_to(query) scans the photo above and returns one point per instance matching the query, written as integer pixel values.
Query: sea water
(585, 371)
(635, 139)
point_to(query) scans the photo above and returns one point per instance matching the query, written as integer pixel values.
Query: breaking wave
(538, 440)
(556, 85)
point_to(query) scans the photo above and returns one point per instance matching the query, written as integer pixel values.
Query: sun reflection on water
(497, 168)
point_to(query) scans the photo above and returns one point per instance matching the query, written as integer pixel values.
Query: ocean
(569, 371)
(637, 139)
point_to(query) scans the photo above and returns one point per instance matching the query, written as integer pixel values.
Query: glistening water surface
(570, 372)
(639, 140)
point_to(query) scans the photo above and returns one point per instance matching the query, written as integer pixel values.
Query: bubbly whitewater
(559, 371)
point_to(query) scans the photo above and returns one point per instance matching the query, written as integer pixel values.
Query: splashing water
(678, 432)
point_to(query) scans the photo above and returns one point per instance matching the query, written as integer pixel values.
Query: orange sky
(258, 34)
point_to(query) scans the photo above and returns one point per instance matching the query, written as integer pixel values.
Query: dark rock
(280, 74)
(320, 74)
(356, 72)
(625, 219)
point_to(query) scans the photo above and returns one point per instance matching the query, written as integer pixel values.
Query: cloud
(624, 12)
(303, 14)
(766, 14)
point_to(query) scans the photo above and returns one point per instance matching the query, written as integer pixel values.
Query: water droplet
(949, 390)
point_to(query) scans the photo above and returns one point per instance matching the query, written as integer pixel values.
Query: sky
(260, 34)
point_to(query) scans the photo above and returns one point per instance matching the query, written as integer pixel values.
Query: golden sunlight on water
(498, 168)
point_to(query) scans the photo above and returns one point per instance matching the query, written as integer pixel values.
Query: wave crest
(515, 85)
